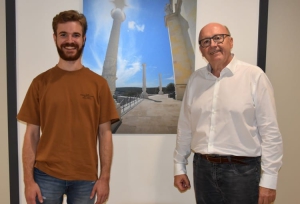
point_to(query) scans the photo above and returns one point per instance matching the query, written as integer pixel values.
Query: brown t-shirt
(69, 106)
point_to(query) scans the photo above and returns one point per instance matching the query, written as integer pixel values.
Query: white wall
(4, 170)
(142, 171)
(283, 69)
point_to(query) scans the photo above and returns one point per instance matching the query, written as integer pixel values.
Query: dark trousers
(226, 183)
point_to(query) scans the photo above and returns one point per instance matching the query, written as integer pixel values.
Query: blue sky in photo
(143, 39)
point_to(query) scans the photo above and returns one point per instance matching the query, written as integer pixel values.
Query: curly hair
(68, 16)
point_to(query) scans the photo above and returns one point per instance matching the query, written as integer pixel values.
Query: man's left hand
(266, 195)
(101, 188)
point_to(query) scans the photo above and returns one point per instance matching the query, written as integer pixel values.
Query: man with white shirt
(228, 119)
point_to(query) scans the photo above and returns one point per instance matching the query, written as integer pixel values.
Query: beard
(69, 57)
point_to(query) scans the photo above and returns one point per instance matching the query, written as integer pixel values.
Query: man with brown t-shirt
(71, 106)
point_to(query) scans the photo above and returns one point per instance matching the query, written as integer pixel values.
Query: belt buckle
(207, 157)
(213, 158)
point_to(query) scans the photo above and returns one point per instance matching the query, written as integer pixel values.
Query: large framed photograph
(128, 44)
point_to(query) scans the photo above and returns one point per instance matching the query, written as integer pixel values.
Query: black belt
(224, 159)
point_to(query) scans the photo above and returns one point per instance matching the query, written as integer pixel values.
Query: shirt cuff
(268, 181)
(179, 169)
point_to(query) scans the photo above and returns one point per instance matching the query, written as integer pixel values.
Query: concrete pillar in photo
(144, 93)
(160, 86)
(110, 63)
(181, 34)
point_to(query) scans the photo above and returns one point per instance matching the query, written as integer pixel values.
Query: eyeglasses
(206, 42)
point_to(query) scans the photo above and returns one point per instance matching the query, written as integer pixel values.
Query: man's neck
(70, 65)
(216, 68)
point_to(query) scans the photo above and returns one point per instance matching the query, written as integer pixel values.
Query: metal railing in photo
(128, 102)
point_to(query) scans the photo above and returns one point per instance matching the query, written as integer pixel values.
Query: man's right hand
(182, 182)
(32, 191)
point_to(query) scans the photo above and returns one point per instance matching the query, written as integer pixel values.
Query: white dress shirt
(234, 114)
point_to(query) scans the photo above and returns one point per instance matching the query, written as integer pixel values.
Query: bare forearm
(106, 149)
(31, 140)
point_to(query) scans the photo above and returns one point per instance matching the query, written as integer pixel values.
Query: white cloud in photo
(131, 25)
(134, 26)
(170, 78)
(127, 70)
(140, 27)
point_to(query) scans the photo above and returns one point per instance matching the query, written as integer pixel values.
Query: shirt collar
(231, 67)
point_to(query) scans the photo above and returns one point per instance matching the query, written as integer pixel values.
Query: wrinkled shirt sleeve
(271, 140)
(184, 136)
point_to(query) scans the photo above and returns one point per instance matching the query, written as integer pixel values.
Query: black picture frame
(10, 14)
(12, 84)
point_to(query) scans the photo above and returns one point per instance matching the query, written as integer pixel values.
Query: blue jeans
(53, 189)
(226, 183)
